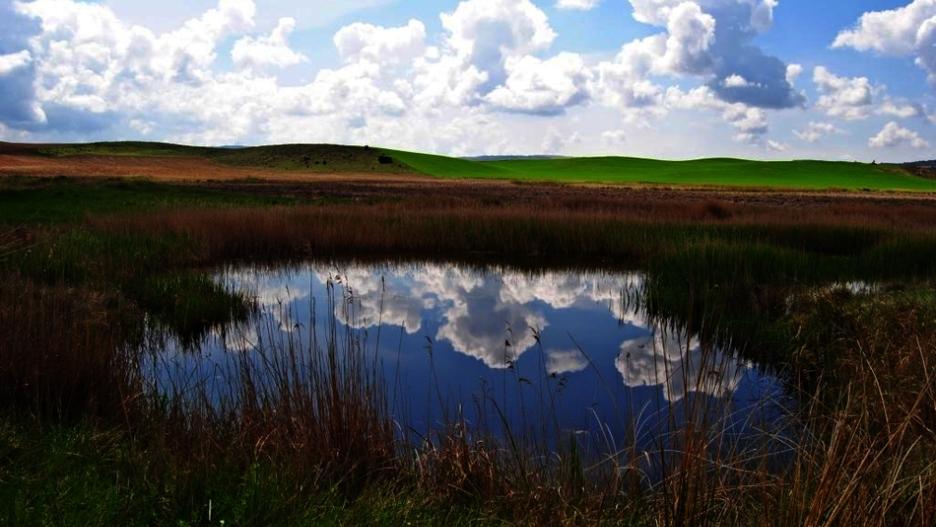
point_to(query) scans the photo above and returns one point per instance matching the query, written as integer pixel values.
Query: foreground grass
(91, 475)
(864, 456)
(81, 443)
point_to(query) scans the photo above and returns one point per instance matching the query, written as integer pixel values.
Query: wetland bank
(276, 352)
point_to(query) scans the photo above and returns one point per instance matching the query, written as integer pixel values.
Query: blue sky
(663, 78)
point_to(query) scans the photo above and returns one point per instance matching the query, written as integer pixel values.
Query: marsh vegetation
(111, 315)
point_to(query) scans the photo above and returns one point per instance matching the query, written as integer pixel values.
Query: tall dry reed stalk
(64, 353)
(512, 232)
(861, 452)
(311, 399)
(12, 240)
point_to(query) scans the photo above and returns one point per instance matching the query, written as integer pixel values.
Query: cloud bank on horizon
(683, 78)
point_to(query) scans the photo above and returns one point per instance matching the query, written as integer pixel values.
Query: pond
(537, 355)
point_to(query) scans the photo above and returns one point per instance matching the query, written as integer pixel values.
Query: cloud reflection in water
(512, 336)
(494, 317)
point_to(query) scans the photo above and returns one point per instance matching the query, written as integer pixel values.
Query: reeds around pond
(313, 420)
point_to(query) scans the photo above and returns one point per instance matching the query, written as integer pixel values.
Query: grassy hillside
(305, 157)
(719, 171)
(612, 170)
(450, 167)
(318, 158)
(119, 148)
(727, 172)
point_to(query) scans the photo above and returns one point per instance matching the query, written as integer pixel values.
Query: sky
(676, 79)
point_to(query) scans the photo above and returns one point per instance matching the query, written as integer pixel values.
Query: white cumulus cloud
(815, 131)
(13, 61)
(484, 33)
(901, 109)
(848, 98)
(679, 364)
(908, 30)
(750, 123)
(381, 45)
(269, 51)
(793, 71)
(735, 81)
(714, 40)
(542, 86)
(565, 361)
(893, 135)
(577, 5)
(777, 146)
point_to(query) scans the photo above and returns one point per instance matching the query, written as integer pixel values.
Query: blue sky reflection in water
(547, 351)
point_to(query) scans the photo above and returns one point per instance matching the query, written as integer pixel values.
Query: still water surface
(533, 353)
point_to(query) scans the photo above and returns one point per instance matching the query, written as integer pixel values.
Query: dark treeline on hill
(931, 163)
(924, 169)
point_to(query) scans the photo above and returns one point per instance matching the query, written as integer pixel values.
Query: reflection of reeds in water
(312, 397)
(309, 396)
(309, 403)
(323, 379)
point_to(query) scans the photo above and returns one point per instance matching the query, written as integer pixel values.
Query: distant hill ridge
(326, 158)
(336, 159)
(511, 157)
(923, 169)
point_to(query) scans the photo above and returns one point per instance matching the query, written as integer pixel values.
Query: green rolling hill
(801, 174)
